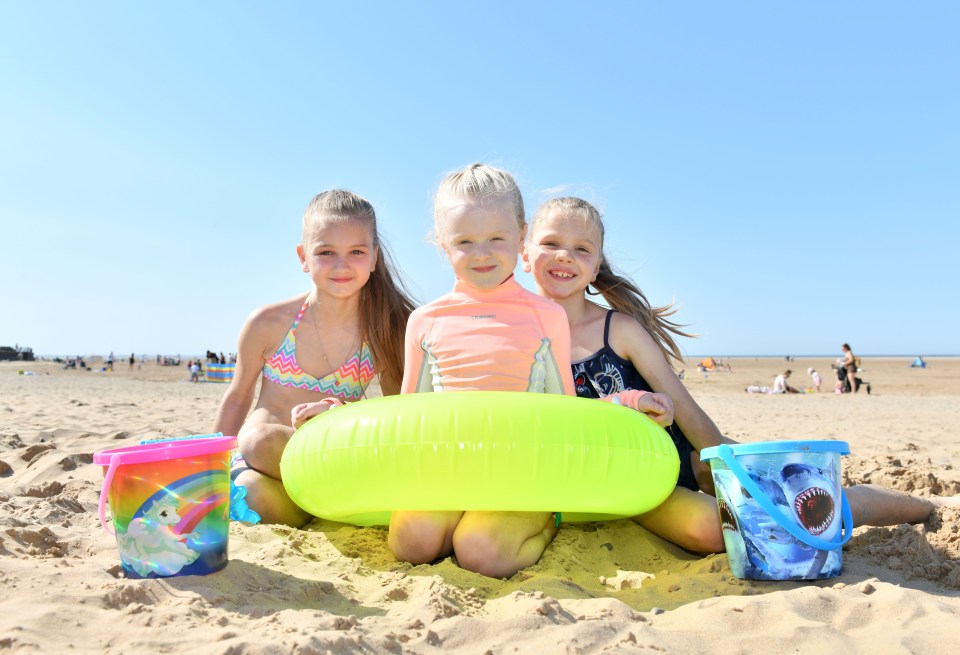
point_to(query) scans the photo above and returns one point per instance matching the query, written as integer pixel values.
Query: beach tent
(708, 364)
(918, 363)
(220, 372)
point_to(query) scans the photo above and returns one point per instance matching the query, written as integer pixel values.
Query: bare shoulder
(627, 334)
(630, 340)
(269, 323)
(284, 311)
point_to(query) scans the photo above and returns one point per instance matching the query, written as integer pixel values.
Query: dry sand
(336, 588)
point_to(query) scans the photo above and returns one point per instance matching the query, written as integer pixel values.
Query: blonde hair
(385, 303)
(619, 291)
(478, 183)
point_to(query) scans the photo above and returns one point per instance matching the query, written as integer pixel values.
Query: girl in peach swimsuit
(487, 334)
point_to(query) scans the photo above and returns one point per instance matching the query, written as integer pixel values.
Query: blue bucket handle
(726, 453)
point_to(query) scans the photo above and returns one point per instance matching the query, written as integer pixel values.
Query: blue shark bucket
(778, 503)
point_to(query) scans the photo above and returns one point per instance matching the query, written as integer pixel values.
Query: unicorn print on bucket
(150, 544)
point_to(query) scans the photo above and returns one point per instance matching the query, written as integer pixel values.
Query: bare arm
(629, 339)
(237, 400)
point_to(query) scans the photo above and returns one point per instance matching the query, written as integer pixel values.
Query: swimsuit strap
(606, 328)
(296, 322)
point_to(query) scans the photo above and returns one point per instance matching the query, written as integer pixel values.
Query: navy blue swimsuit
(605, 372)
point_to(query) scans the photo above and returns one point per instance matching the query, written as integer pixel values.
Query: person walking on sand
(815, 377)
(849, 364)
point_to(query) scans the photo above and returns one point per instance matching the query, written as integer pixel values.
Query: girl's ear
(376, 256)
(525, 258)
(302, 255)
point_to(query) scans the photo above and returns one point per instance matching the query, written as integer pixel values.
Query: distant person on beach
(133, 358)
(849, 364)
(317, 349)
(780, 383)
(565, 255)
(815, 378)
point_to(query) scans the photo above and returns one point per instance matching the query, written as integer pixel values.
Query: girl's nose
(564, 255)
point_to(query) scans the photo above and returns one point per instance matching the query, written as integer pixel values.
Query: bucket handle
(726, 454)
(107, 480)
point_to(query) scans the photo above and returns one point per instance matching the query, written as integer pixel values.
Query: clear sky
(788, 173)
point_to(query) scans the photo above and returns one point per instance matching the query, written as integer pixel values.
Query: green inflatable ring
(479, 450)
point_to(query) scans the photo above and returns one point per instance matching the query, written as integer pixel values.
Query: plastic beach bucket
(784, 513)
(170, 505)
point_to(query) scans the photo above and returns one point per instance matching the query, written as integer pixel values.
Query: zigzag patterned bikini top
(347, 383)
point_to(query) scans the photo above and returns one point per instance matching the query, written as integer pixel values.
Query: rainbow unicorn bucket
(170, 503)
(781, 506)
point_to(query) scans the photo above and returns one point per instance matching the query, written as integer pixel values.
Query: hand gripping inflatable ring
(479, 450)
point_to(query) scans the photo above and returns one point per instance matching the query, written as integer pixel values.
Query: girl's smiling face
(339, 255)
(482, 241)
(563, 253)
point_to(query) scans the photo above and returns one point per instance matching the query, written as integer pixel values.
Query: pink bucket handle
(107, 480)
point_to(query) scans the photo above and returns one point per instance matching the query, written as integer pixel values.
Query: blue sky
(789, 174)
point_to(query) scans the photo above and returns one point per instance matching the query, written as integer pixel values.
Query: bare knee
(253, 438)
(262, 444)
(705, 533)
(484, 553)
(420, 537)
(498, 544)
(688, 519)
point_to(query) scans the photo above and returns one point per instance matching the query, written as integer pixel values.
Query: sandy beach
(600, 588)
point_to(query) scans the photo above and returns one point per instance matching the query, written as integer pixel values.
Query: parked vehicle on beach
(17, 354)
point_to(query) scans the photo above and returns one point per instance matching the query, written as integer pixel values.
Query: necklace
(316, 329)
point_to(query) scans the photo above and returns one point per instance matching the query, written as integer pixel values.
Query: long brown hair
(618, 290)
(385, 303)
